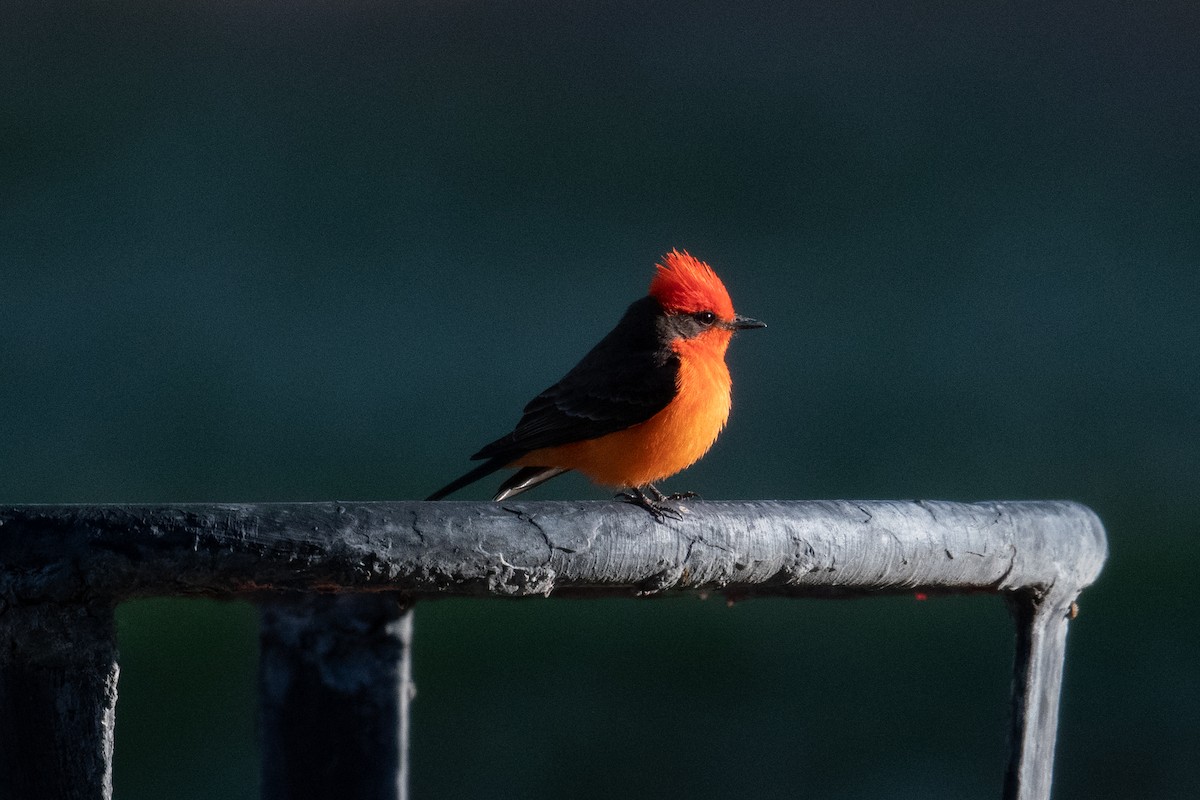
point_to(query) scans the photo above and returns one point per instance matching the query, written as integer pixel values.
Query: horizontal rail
(538, 548)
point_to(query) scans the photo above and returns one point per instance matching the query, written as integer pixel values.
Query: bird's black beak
(741, 323)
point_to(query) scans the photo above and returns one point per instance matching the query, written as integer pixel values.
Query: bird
(645, 403)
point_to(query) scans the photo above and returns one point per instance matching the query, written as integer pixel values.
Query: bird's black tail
(484, 469)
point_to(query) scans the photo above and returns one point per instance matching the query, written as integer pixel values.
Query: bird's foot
(658, 507)
(673, 496)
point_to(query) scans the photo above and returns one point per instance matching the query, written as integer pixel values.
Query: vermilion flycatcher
(644, 403)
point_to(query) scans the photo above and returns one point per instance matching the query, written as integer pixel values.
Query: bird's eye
(706, 318)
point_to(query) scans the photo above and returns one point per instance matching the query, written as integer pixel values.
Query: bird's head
(695, 300)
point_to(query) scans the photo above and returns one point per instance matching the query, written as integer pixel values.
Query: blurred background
(316, 250)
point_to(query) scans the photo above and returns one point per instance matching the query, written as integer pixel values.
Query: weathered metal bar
(335, 681)
(1041, 653)
(514, 549)
(58, 694)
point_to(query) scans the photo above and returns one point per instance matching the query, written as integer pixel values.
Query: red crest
(684, 284)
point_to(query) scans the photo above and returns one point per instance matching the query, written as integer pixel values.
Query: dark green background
(309, 250)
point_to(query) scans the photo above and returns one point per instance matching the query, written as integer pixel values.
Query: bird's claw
(672, 497)
(658, 508)
(659, 496)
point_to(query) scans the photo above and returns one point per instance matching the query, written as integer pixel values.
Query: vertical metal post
(1037, 684)
(335, 684)
(58, 696)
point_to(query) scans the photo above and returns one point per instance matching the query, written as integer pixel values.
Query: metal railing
(335, 582)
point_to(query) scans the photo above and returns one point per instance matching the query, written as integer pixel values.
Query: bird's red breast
(670, 441)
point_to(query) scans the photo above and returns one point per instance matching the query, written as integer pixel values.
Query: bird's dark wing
(625, 379)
